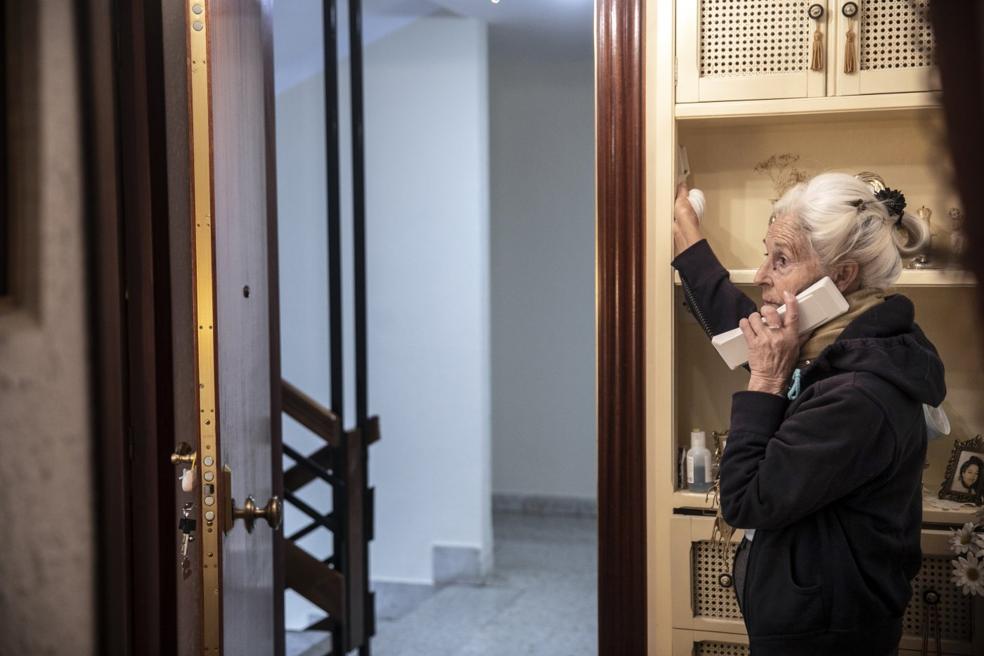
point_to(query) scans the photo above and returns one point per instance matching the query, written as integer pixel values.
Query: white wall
(426, 104)
(428, 243)
(542, 259)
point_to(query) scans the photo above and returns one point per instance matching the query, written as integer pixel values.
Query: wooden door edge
(620, 241)
(273, 277)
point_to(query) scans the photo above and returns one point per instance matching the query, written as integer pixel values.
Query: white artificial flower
(968, 574)
(963, 541)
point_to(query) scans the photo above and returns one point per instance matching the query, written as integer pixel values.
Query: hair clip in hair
(894, 202)
(858, 204)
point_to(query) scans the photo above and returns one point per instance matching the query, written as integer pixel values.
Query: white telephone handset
(818, 304)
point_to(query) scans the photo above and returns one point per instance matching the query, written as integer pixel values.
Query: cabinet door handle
(816, 51)
(850, 12)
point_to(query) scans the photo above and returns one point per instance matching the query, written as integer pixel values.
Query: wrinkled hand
(773, 346)
(686, 225)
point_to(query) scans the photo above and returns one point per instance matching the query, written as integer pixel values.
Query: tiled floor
(541, 599)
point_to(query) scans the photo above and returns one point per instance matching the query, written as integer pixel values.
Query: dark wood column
(621, 361)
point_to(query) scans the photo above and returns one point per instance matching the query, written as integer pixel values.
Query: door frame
(137, 548)
(120, 76)
(621, 169)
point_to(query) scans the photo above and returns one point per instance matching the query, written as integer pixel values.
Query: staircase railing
(338, 585)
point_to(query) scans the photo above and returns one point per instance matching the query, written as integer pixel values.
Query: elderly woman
(826, 450)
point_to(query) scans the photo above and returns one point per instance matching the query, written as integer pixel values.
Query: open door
(229, 509)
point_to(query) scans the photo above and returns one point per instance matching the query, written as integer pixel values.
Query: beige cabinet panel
(893, 49)
(704, 643)
(750, 50)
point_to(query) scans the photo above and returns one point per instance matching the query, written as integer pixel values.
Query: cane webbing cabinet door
(893, 49)
(703, 593)
(749, 50)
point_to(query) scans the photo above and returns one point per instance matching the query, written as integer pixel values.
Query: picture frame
(964, 479)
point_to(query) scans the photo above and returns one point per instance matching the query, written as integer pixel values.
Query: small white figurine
(958, 240)
(922, 260)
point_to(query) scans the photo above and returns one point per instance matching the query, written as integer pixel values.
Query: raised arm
(716, 302)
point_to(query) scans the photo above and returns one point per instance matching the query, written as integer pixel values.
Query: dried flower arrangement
(782, 170)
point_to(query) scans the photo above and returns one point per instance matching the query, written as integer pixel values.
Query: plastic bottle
(698, 462)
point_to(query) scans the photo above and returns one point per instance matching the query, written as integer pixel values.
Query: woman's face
(791, 264)
(970, 476)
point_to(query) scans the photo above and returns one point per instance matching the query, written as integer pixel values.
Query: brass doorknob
(272, 512)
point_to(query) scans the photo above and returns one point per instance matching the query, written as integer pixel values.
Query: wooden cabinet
(738, 100)
(748, 50)
(704, 601)
(762, 49)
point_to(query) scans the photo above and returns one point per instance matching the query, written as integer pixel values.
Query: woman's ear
(846, 276)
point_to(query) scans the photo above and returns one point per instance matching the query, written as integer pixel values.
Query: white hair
(846, 223)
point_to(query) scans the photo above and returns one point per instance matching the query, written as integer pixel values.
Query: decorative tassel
(721, 532)
(850, 51)
(816, 59)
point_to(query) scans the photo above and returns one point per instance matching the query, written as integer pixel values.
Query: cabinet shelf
(691, 500)
(786, 107)
(956, 516)
(909, 278)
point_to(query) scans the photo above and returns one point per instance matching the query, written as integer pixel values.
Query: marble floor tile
(541, 600)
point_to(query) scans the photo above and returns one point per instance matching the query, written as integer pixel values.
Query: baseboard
(544, 506)
(457, 564)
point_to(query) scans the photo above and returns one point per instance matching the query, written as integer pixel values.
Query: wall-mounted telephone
(695, 196)
(818, 304)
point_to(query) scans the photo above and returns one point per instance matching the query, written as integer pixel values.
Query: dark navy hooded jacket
(830, 480)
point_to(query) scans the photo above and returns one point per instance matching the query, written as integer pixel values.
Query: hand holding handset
(695, 196)
(819, 303)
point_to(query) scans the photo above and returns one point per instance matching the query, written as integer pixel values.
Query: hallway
(541, 599)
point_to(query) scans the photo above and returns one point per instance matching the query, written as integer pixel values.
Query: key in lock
(187, 525)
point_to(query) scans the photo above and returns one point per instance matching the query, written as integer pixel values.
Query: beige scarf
(859, 302)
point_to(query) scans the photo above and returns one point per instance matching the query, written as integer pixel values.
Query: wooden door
(893, 47)
(231, 581)
(749, 50)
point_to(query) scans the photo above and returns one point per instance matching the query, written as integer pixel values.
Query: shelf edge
(807, 106)
(909, 278)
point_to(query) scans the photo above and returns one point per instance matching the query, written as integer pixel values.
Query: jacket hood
(886, 341)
